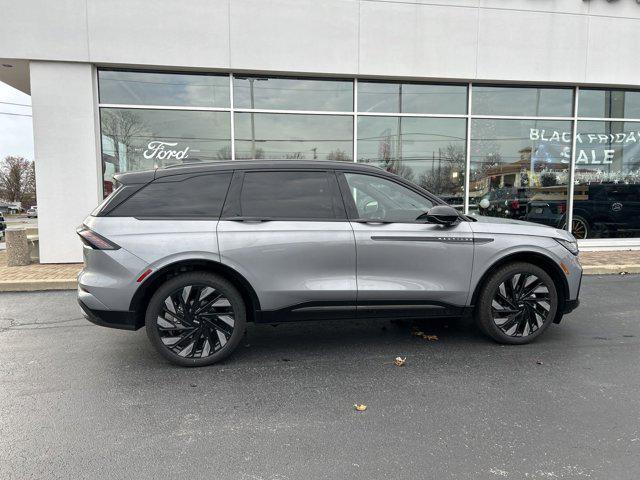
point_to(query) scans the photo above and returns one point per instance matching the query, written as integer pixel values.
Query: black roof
(205, 167)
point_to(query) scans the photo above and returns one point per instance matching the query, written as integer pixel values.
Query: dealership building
(526, 109)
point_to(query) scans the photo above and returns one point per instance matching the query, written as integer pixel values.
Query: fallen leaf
(431, 338)
(399, 361)
(359, 407)
(417, 333)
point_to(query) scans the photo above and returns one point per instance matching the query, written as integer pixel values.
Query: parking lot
(80, 401)
(18, 221)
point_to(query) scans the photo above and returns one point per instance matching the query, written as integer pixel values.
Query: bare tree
(339, 155)
(445, 176)
(123, 127)
(18, 180)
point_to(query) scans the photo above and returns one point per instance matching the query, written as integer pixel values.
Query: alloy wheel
(195, 321)
(521, 305)
(579, 228)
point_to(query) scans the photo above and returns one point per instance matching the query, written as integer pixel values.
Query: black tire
(513, 314)
(213, 323)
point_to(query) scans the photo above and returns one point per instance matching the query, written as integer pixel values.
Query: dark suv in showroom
(599, 210)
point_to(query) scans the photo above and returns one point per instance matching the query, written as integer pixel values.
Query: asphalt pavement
(81, 401)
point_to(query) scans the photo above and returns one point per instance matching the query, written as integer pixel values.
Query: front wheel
(517, 303)
(196, 319)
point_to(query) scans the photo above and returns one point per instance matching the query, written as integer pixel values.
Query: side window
(287, 195)
(381, 199)
(178, 196)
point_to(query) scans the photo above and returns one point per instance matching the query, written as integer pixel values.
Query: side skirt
(369, 310)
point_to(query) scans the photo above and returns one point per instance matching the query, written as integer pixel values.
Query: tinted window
(293, 94)
(304, 195)
(550, 102)
(293, 137)
(156, 88)
(609, 103)
(411, 98)
(179, 196)
(380, 199)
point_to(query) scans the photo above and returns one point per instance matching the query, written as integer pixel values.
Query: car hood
(485, 224)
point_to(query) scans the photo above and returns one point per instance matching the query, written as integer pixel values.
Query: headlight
(571, 246)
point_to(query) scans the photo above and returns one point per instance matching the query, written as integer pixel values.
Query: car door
(287, 233)
(405, 267)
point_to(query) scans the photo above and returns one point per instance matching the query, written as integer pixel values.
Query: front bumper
(123, 320)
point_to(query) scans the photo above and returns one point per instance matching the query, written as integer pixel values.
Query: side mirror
(441, 215)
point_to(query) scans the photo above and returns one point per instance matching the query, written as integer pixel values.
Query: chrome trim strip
(423, 239)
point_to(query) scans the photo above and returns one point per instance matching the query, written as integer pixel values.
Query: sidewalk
(62, 276)
(53, 276)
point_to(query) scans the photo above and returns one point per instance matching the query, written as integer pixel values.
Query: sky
(16, 131)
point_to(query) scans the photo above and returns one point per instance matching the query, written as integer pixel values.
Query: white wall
(559, 41)
(66, 155)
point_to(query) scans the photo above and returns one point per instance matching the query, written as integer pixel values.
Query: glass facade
(487, 149)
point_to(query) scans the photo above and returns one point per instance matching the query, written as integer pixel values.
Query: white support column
(68, 166)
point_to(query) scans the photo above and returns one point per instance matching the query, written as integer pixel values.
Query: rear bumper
(123, 320)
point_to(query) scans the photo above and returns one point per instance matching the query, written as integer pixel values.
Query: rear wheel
(517, 304)
(196, 319)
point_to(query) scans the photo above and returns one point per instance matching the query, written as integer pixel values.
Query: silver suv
(195, 252)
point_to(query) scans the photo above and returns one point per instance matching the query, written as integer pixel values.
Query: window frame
(232, 209)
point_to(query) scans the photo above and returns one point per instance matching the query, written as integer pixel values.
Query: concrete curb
(610, 269)
(38, 285)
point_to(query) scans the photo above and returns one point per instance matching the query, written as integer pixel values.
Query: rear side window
(178, 196)
(291, 195)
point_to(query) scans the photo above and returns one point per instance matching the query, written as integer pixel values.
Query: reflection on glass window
(293, 136)
(380, 199)
(427, 151)
(522, 101)
(609, 103)
(520, 169)
(136, 139)
(411, 98)
(167, 89)
(292, 94)
(606, 200)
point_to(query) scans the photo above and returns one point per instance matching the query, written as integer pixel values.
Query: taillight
(94, 240)
(515, 204)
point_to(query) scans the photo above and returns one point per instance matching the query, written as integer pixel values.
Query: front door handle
(371, 222)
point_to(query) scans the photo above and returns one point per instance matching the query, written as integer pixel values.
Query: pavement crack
(13, 324)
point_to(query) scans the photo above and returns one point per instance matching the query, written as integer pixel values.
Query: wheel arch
(144, 293)
(535, 258)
